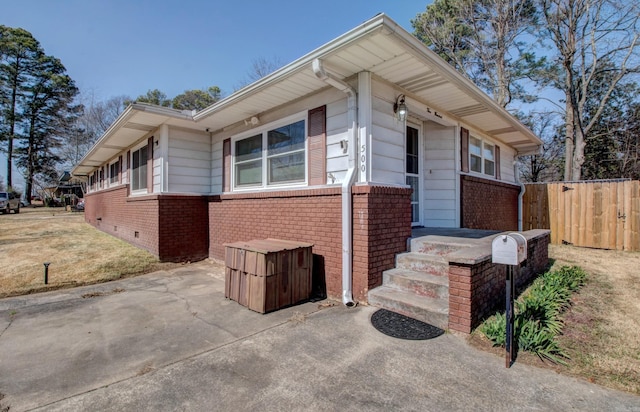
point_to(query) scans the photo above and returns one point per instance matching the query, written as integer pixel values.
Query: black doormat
(403, 327)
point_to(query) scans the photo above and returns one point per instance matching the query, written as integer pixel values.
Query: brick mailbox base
(477, 286)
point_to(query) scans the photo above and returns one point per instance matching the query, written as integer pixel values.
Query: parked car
(9, 201)
(80, 205)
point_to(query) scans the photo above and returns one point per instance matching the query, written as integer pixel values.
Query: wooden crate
(268, 274)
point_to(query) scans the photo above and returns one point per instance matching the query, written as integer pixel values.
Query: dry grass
(78, 253)
(602, 332)
(602, 327)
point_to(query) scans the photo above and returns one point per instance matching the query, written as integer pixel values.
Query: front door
(412, 172)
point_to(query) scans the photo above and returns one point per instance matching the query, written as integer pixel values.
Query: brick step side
(420, 283)
(434, 311)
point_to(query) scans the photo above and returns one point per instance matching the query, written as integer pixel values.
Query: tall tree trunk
(578, 156)
(568, 140)
(12, 129)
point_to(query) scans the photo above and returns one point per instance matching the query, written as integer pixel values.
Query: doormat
(403, 327)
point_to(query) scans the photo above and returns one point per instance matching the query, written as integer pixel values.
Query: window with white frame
(139, 168)
(481, 156)
(114, 170)
(276, 156)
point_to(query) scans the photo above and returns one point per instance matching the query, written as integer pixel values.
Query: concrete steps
(432, 311)
(418, 286)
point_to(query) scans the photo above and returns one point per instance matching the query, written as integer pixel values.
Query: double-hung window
(139, 169)
(114, 170)
(274, 157)
(481, 156)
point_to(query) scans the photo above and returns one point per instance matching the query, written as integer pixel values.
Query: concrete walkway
(171, 341)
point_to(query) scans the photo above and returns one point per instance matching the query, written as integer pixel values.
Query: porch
(447, 279)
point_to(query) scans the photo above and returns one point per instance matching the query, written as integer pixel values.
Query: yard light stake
(46, 272)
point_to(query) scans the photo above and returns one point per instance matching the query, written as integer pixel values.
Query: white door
(412, 172)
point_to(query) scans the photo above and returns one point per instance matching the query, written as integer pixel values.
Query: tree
(591, 37)
(49, 113)
(196, 99)
(90, 125)
(546, 166)
(154, 96)
(484, 40)
(260, 67)
(19, 51)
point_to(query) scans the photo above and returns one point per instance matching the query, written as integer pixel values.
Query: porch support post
(364, 126)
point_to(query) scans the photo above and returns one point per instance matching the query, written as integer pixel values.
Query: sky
(116, 47)
(127, 47)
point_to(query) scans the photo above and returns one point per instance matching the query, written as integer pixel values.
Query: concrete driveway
(170, 341)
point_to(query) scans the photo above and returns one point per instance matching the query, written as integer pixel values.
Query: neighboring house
(315, 152)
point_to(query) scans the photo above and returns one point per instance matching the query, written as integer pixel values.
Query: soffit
(392, 54)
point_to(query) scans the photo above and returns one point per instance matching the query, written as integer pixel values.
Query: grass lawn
(602, 327)
(78, 253)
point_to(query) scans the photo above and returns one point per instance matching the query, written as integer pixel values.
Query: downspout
(347, 208)
(516, 173)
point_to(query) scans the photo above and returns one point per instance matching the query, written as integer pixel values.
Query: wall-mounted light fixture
(400, 108)
(253, 121)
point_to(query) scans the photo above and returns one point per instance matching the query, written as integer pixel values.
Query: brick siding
(488, 204)
(381, 220)
(477, 289)
(172, 227)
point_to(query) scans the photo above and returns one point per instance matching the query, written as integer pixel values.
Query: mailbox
(510, 249)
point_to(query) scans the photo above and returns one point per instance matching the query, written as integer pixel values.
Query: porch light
(400, 109)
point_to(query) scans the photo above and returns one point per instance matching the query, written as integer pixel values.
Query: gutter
(347, 206)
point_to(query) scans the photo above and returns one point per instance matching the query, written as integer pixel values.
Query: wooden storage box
(268, 274)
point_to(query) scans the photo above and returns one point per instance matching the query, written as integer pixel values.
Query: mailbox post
(510, 250)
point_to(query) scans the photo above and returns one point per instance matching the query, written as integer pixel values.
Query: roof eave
(449, 71)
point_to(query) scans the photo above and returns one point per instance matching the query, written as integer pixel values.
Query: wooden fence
(598, 214)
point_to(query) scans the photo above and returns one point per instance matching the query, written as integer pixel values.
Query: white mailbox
(509, 249)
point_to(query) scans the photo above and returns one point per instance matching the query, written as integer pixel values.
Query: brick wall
(172, 227)
(381, 226)
(477, 288)
(488, 204)
(381, 219)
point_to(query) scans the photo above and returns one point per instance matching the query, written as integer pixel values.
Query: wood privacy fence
(598, 214)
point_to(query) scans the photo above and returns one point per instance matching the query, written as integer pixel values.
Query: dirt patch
(602, 327)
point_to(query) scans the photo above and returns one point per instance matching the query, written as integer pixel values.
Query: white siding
(157, 167)
(189, 162)
(337, 161)
(506, 164)
(388, 138)
(216, 167)
(440, 175)
(337, 158)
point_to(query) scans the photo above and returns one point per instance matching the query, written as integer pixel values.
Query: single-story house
(347, 148)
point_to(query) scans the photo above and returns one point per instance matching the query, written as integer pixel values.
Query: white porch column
(364, 127)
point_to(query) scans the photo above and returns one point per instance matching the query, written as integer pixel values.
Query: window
(274, 157)
(114, 170)
(481, 156)
(139, 169)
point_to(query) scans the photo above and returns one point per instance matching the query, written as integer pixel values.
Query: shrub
(538, 313)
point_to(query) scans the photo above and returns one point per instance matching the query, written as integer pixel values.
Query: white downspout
(516, 173)
(347, 212)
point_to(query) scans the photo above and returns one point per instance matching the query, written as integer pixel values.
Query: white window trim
(483, 141)
(262, 130)
(135, 148)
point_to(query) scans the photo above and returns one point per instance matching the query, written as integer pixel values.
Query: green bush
(538, 313)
